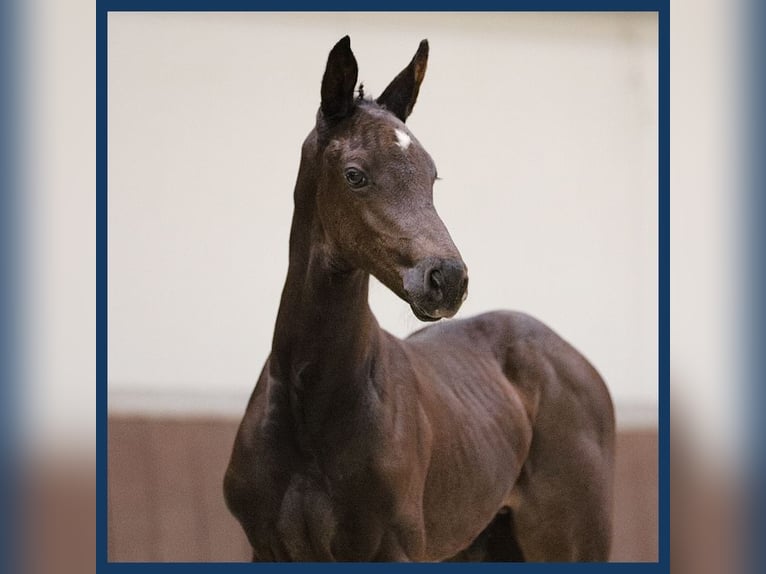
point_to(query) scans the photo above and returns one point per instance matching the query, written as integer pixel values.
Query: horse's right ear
(339, 81)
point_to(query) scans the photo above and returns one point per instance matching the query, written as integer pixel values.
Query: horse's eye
(355, 177)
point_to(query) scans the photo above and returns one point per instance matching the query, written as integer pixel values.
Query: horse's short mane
(363, 99)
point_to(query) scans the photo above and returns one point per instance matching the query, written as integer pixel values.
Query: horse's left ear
(400, 95)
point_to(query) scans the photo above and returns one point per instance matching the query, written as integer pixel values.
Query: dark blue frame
(106, 6)
(11, 227)
(753, 313)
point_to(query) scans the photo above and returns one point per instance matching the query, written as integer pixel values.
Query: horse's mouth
(422, 315)
(429, 317)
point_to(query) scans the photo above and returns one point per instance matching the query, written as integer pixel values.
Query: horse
(481, 439)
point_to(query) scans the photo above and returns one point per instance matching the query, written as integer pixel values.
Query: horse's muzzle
(436, 288)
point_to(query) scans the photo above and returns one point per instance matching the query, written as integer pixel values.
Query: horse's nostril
(436, 280)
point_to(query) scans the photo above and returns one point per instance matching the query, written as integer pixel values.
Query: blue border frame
(753, 313)
(103, 7)
(11, 278)
(664, 286)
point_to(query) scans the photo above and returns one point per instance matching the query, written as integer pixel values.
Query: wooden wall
(166, 501)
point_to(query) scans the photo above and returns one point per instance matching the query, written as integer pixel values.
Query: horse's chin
(431, 317)
(422, 316)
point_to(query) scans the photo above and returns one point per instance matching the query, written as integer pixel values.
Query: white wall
(543, 127)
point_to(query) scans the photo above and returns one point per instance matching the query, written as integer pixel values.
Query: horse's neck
(326, 336)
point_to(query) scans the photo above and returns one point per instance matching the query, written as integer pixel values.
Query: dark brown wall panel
(166, 501)
(635, 527)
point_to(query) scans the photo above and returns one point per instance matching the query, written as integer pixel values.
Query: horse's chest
(316, 521)
(348, 507)
(306, 521)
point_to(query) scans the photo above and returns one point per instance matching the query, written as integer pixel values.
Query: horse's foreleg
(399, 547)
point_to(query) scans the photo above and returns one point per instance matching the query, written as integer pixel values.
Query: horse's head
(375, 189)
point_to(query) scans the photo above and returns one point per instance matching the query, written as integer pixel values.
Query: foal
(487, 438)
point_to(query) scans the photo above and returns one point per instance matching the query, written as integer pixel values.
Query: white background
(543, 128)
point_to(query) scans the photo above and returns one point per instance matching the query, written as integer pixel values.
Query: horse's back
(531, 355)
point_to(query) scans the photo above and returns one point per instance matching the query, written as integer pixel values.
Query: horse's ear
(339, 81)
(400, 95)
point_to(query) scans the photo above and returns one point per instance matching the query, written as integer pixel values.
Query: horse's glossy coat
(487, 438)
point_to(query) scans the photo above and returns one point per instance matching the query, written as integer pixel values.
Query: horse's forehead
(383, 137)
(379, 132)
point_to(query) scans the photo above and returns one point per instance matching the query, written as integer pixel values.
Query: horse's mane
(364, 99)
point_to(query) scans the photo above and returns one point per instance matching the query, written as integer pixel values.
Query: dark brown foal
(488, 438)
